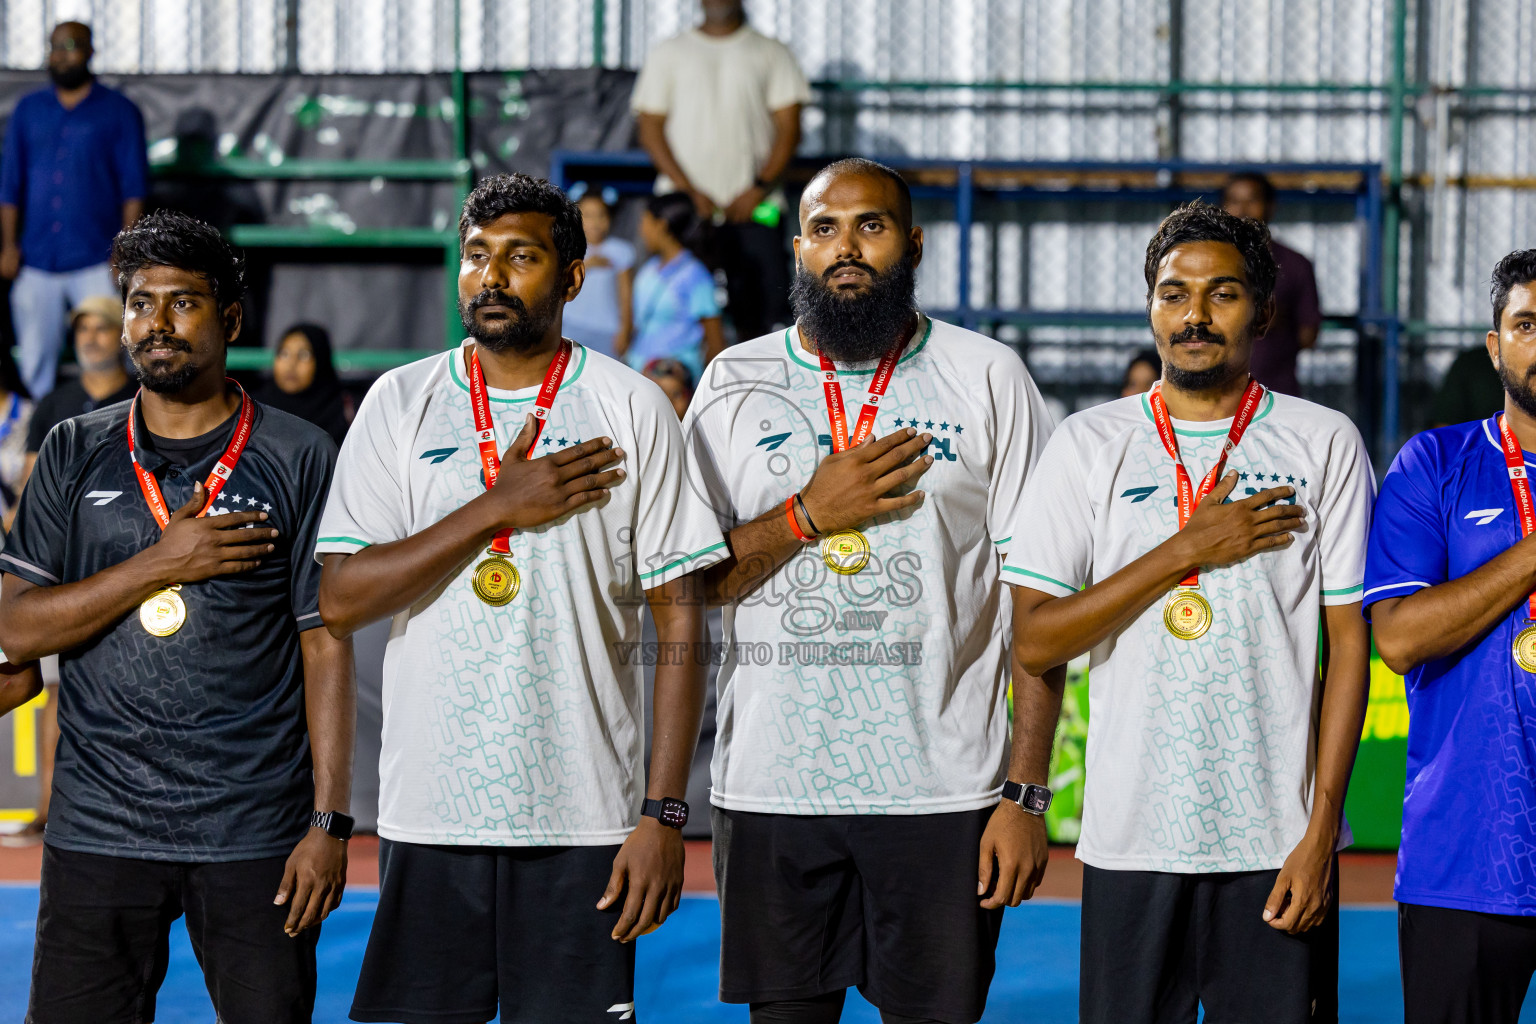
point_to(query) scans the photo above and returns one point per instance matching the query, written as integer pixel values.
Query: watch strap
(333, 823)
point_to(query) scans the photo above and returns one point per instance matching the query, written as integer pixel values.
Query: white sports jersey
(1201, 753)
(519, 725)
(881, 692)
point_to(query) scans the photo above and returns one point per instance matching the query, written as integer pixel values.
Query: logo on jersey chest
(1249, 483)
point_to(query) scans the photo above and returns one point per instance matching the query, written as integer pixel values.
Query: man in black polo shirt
(205, 711)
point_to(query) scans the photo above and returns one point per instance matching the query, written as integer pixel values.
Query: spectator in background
(1297, 317)
(599, 317)
(674, 380)
(96, 327)
(15, 416)
(1470, 390)
(676, 315)
(718, 110)
(72, 173)
(304, 381)
(1143, 371)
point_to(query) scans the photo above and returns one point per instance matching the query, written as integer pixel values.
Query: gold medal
(845, 552)
(1525, 648)
(1187, 615)
(163, 612)
(496, 580)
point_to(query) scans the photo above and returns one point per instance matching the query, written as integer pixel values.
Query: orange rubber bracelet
(789, 513)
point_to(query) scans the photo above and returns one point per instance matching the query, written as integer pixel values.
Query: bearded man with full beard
(73, 172)
(870, 818)
(506, 503)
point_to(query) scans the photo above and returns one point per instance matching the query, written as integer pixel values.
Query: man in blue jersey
(1449, 580)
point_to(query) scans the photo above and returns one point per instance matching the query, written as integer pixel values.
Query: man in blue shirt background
(1448, 579)
(72, 173)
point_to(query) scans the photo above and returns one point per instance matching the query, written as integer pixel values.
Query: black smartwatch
(671, 813)
(1032, 798)
(334, 823)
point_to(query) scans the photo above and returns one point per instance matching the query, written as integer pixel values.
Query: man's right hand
(851, 487)
(191, 549)
(10, 262)
(532, 492)
(1222, 532)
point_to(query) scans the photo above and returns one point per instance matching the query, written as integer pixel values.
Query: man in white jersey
(864, 835)
(511, 771)
(1205, 542)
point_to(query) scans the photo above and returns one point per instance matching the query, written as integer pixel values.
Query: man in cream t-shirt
(1218, 756)
(864, 834)
(718, 110)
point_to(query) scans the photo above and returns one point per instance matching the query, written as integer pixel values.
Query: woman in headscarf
(304, 381)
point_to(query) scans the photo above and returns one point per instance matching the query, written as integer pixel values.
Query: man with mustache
(1205, 542)
(870, 821)
(204, 764)
(1448, 585)
(510, 504)
(72, 172)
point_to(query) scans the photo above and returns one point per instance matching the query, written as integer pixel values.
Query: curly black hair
(1519, 267)
(1201, 222)
(169, 238)
(522, 193)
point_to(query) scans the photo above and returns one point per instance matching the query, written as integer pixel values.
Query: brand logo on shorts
(99, 498)
(1138, 494)
(1484, 516)
(438, 454)
(626, 1011)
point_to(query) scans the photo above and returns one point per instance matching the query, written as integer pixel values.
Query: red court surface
(1363, 877)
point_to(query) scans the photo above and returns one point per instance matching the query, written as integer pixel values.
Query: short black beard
(159, 379)
(521, 332)
(1518, 389)
(860, 327)
(70, 78)
(1208, 379)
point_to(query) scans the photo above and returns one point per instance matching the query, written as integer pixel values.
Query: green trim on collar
(798, 354)
(453, 371)
(1269, 403)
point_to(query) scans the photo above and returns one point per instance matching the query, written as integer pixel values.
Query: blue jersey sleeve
(1407, 550)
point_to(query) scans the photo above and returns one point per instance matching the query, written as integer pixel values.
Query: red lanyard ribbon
(835, 411)
(1520, 484)
(485, 428)
(221, 470)
(1188, 496)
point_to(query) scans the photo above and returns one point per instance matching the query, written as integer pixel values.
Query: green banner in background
(1374, 806)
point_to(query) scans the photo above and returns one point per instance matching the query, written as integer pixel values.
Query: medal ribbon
(485, 428)
(1520, 484)
(221, 470)
(839, 416)
(1188, 496)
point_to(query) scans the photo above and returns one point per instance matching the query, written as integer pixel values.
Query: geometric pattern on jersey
(1200, 753)
(518, 725)
(1469, 807)
(193, 746)
(882, 692)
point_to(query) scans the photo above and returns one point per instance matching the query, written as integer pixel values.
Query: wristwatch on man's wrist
(333, 823)
(1032, 798)
(671, 813)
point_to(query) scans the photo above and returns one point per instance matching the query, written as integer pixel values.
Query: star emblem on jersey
(1484, 516)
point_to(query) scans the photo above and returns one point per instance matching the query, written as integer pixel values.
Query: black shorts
(1155, 944)
(103, 934)
(815, 904)
(461, 929)
(1462, 966)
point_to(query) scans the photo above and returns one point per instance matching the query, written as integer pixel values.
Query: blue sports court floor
(1036, 981)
